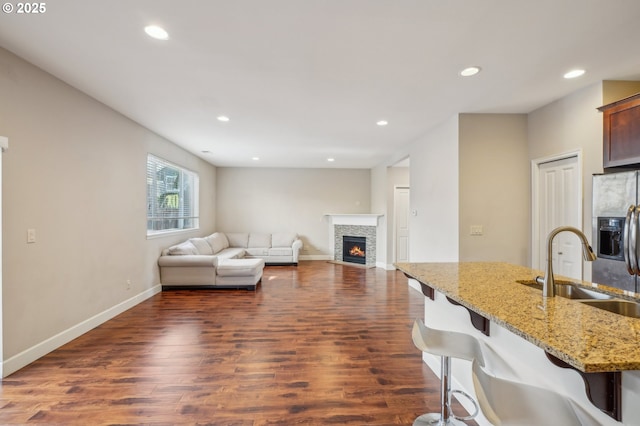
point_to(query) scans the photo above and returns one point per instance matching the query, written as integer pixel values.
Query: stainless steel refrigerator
(616, 216)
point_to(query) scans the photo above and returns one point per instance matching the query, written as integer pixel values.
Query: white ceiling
(304, 80)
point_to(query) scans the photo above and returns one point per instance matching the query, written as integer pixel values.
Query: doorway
(557, 201)
(401, 215)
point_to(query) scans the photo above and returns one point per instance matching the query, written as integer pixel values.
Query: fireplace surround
(368, 233)
(355, 225)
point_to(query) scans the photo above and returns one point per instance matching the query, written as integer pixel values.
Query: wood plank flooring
(316, 344)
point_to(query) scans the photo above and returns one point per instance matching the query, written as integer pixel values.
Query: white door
(4, 144)
(401, 217)
(559, 205)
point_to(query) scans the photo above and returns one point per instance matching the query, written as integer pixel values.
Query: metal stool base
(431, 419)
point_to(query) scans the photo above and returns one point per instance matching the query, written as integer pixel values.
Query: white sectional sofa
(226, 259)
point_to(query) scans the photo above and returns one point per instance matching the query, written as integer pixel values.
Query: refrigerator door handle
(630, 259)
(634, 242)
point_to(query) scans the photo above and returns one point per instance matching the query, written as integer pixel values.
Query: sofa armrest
(188, 260)
(296, 246)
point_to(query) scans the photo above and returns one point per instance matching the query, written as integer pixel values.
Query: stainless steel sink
(617, 306)
(596, 299)
(569, 290)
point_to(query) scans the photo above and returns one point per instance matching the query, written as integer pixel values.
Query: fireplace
(354, 249)
(355, 225)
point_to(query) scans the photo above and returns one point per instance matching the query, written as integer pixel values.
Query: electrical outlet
(128, 284)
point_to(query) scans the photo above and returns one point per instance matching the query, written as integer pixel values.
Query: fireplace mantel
(354, 219)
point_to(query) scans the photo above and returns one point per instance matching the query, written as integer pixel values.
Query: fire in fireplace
(354, 249)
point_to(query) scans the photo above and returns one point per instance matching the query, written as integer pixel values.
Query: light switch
(31, 235)
(476, 230)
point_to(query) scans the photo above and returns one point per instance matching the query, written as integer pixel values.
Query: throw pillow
(183, 249)
(238, 239)
(201, 245)
(218, 241)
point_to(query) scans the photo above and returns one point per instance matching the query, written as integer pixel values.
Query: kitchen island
(534, 336)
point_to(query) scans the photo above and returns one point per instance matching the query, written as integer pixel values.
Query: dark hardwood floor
(315, 344)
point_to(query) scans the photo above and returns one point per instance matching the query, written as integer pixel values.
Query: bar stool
(446, 344)
(505, 402)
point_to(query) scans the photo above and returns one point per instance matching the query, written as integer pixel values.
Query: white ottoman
(237, 273)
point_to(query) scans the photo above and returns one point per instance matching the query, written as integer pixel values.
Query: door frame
(535, 197)
(4, 145)
(395, 221)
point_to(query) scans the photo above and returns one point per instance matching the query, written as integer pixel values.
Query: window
(172, 197)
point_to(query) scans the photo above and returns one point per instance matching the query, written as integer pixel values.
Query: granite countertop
(588, 338)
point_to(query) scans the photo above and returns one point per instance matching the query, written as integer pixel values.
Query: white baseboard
(314, 257)
(388, 267)
(27, 356)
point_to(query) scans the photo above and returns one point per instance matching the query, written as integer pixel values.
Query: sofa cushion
(238, 239)
(257, 239)
(239, 267)
(281, 251)
(183, 249)
(201, 245)
(231, 253)
(283, 239)
(257, 251)
(218, 241)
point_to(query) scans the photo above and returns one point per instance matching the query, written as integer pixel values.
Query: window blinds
(172, 196)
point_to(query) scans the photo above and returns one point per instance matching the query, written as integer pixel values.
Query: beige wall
(274, 200)
(75, 173)
(494, 178)
(384, 178)
(614, 90)
(434, 177)
(571, 124)
(379, 205)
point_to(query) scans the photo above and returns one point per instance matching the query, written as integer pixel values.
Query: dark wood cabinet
(621, 144)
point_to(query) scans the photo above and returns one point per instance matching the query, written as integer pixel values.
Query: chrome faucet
(548, 283)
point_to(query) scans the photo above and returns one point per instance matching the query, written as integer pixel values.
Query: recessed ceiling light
(255, 158)
(223, 118)
(331, 160)
(382, 123)
(468, 72)
(156, 32)
(574, 73)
